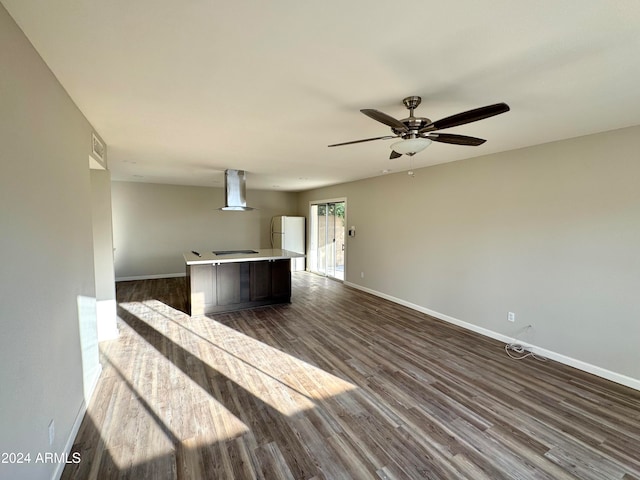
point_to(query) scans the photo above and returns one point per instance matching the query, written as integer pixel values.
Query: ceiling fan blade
(394, 154)
(384, 118)
(455, 139)
(386, 137)
(466, 117)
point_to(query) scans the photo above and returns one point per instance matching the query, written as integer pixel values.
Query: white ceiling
(181, 90)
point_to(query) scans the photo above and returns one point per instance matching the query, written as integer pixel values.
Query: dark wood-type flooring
(338, 384)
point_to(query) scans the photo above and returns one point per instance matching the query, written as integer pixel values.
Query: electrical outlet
(511, 317)
(361, 274)
(52, 432)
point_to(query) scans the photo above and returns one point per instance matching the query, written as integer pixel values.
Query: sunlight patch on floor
(162, 405)
(280, 380)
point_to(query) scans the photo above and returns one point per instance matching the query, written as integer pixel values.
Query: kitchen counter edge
(206, 258)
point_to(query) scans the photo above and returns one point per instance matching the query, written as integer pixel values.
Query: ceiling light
(411, 145)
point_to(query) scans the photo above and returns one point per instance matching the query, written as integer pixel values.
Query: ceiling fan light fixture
(410, 145)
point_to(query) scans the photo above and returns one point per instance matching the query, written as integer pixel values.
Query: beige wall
(549, 232)
(47, 257)
(155, 224)
(106, 309)
(102, 234)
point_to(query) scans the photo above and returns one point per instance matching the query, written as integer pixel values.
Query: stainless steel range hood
(235, 187)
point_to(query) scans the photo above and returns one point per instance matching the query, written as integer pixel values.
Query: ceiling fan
(417, 133)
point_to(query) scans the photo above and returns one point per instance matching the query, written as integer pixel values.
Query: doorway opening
(327, 238)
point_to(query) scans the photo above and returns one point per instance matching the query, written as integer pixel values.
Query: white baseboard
(587, 367)
(151, 277)
(94, 383)
(558, 357)
(57, 473)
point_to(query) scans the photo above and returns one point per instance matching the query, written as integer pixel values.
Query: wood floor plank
(339, 384)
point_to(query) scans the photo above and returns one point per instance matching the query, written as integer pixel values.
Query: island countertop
(209, 257)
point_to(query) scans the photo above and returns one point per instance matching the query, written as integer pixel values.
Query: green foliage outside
(336, 209)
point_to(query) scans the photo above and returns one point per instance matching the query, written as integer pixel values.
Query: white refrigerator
(288, 233)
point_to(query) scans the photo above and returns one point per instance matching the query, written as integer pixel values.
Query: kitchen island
(228, 280)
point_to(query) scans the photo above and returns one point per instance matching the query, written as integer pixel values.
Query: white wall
(46, 255)
(549, 232)
(153, 225)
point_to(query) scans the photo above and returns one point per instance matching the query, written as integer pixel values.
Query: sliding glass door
(327, 246)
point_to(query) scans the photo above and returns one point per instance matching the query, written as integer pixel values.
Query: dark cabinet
(232, 286)
(260, 280)
(271, 279)
(232, 283)
(281, 278)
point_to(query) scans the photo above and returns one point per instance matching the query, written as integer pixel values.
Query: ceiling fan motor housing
(413, 124)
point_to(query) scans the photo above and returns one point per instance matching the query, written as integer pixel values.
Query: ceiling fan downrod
(412, 103)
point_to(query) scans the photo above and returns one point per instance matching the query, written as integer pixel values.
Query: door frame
(310, 243)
